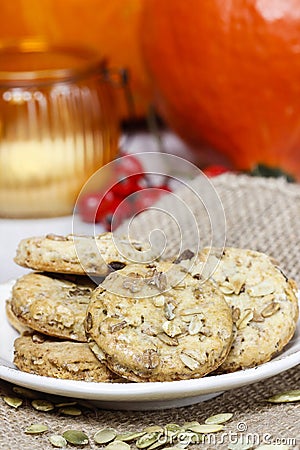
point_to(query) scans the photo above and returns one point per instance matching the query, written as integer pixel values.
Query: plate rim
(148, 391)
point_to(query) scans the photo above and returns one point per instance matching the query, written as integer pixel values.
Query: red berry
(145, 198)
(111, 220)
(93, 206)
(128, 165)
(126, 186)
(214, 170)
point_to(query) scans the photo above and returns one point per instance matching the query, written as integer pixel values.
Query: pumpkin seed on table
(118, 445)
(57, 440)
(76, 437)
(105, 435)
(188, 425)
(36, 428)
(42, 405)
(285, 397)
(207, 428)
(218, 418)
(61, 405)
(70, 411)
(14, 402)
(26, 393)
(147, 439)
(129, 436)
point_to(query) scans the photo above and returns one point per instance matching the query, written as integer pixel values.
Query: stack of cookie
(48, 306)
(147, 320)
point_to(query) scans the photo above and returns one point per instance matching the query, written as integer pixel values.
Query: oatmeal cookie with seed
(59, 359)
(79, 255)
(263, 301)
(52, 304)
(158, 323)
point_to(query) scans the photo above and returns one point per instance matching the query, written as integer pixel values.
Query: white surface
(139, 396)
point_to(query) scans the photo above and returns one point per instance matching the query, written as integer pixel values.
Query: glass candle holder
(57, 126)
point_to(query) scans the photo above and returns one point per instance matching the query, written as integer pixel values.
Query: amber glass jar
(57, 126)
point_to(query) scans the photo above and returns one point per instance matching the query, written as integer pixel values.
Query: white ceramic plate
(137, 396)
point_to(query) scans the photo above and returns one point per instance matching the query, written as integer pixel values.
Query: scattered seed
(105, 435)
(26, 393)
(42, 405)
(206, 428)
(61, 405)
(14, 402)
(130, 436)
(118, 445)
(70, 411)
(147, 439)
(219, 418)
(188, 437)
(76, 437)
(158, 443)
(36, 428)
(57, 440)
(188, 425)
(285, 397)
(171, 429)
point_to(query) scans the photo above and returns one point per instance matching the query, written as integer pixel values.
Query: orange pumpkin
(112, 26)
(227, 74)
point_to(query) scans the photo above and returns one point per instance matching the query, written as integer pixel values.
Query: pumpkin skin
(111, 26)
(227, 74)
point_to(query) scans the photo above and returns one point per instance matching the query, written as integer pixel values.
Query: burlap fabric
(262, 214)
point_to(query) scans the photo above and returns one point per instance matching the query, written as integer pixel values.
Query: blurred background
(85, 82)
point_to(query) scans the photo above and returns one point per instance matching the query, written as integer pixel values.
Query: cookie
(158, 323)
(263, 301)
(52, 304)
(59, 359)
(13, 320)
(81, 254)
